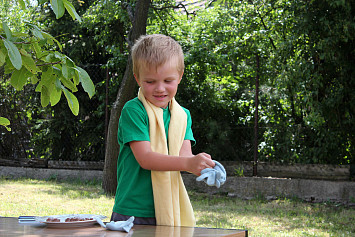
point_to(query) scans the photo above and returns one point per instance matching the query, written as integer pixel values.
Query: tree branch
(131, 18)
(22, 42)
(180, 5)
(263, 23)
(265, 27)
(129, 11)
(45, 64)
(165, 27)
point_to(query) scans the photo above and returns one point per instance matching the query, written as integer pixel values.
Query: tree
(80, 137)
(313, 114)
(32, 56)
(125, 93)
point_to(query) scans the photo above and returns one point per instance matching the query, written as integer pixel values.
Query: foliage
(83, 137)
(31, 55)
(47, 134)
(302, 116)
(5, 122)
(306, 103)
(203, 88)
(314, 78)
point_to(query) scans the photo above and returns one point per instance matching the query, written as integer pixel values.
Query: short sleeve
(133, 124)
(189, 134)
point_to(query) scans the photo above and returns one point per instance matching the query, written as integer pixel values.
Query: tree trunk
(126, 92)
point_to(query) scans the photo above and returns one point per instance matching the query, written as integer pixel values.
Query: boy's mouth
(160, 96)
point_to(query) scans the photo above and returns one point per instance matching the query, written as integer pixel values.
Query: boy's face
(159, 85)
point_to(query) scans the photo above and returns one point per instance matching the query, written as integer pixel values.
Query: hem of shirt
(136, 213)
(135, 138)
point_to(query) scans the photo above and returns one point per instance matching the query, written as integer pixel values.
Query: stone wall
(273, 188)
(241, 187)
(302, 171)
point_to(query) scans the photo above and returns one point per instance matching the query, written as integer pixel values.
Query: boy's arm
(186, 148)
(150, 160)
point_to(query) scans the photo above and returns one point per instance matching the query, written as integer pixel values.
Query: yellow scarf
(171, 201)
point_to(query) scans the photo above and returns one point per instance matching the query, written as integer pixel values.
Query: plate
(70, 221)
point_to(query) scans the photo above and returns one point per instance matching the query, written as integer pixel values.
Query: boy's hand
(150, 160)
(200, 162)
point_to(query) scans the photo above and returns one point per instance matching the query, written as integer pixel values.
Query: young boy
(155, 137)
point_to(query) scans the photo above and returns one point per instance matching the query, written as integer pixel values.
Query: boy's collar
(167, 108)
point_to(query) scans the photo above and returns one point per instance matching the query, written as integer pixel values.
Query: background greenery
(306, 52)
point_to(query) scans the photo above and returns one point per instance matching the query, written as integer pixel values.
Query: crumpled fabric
(118, 225)
(215, 176)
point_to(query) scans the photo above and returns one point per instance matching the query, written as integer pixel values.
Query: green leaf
(44, 96)
(68, 69)
(86, 82)
(30, 64)
(70, 8)
(49, 36)
(8, 67)
(65, 72)
(5, 122)
(72, 101)
(48, 71)
(39, 87)
(68, 84)
(24, 52)
(57, 70)
(50, 58)
(34, 79)
(22, 4)
(48, 77)
(38, 50)
(2, 58)
(14, 54)
(19, 78)
(7, 31)
(36, 32)
(58, 8)
(58, 84)
(76, 78)
(56, 93)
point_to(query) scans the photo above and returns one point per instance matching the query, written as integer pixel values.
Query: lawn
(282, 217)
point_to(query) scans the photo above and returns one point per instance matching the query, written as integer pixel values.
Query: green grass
(282, 217)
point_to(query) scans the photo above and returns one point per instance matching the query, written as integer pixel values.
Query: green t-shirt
(134, 194)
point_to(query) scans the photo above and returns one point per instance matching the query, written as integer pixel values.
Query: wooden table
(9, 226)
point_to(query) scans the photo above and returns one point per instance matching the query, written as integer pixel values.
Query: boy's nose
(159, 87)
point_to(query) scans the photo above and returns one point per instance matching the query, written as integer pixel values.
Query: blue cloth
(118, 225)
(215, 176)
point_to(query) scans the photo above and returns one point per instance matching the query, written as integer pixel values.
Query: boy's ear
(181, 76)
(137, 80)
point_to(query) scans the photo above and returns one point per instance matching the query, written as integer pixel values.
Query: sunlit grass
(40, 198)
(282, 217)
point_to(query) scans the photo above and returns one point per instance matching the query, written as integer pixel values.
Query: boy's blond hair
(155, 50)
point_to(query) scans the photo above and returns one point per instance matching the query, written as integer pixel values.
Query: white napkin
(118, 225)
(215, 176)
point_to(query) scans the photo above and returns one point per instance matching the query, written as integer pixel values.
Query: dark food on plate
(78, 219)
(51, 219)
